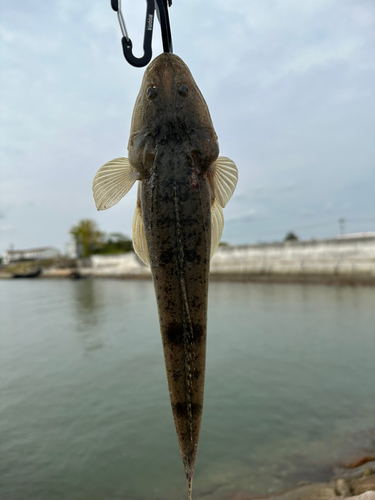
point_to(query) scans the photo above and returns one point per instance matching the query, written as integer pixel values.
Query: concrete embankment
(333, 261)
(339, 260)
(346, 261)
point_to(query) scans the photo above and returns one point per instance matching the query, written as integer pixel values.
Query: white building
(31, 254)
(71, 250)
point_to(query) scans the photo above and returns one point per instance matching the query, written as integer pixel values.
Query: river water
(84, 408)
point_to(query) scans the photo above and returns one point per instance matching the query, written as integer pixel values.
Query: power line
(342, 222)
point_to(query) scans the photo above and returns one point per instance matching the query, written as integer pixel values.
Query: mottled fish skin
(172, 145)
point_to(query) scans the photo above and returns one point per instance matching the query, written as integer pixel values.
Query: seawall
(335, 261)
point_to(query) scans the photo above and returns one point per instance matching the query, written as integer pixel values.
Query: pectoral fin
(139, 237)
(224, 177)
(112, 181)
(217, 225)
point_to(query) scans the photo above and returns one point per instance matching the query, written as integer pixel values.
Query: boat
(30, 274)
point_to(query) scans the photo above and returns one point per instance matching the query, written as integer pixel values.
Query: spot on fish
(180, 410)
(192, 256)
(175, 334)
(166, 257)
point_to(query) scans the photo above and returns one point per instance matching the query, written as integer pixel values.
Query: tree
(87, 236)
(90, 240)
(291, 236)
(115, 243)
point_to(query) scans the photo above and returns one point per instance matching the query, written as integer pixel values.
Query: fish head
(170, 110)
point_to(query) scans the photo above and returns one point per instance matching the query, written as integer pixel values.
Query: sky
(289, 83)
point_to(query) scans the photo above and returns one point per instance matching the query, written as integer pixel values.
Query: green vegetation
(115, 243)
(90, 240)
(87, 236)
(291, 236)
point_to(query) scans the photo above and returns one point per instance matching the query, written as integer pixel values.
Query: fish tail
(189, 478)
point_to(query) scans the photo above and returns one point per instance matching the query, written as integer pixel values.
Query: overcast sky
(290, 85)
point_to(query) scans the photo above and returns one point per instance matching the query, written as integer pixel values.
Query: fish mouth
(169, 59)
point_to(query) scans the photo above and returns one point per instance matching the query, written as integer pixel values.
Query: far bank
(347, 261)
(335, 261)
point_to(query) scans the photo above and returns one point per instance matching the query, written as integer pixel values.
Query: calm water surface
(84, 408)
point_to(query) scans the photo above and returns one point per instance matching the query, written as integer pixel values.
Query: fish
(183, 186)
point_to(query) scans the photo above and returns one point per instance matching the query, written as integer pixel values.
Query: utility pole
(342, 222)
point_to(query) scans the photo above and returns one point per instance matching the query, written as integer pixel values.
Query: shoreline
(270, 278)
(346, 472)
(335, 261)
(353, 481)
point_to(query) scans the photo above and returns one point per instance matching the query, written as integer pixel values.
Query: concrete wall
(125, 264)
(334, 256)
(350, 257)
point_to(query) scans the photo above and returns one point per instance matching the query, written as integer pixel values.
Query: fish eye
(152, 92)
(183, 90)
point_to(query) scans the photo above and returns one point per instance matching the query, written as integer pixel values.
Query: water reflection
(88, 303)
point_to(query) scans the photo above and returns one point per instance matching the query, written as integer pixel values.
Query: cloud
(66, 9)
(247, 215)
(239, 195)
(363, 15)
(319, 209)
(285, 188)
(288, 85)
(322, 53)
(6, 228)
(100, 19)
(25, 41)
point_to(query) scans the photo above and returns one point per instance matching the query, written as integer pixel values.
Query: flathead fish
(183, 186)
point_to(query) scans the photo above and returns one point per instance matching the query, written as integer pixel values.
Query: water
(84, 408)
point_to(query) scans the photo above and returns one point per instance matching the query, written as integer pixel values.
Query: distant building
(71, 250)
(368, 234)
(31, 254)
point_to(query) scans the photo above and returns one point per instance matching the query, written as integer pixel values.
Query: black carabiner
(127, 46)
(163, 16)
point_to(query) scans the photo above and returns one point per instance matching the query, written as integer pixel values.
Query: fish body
(178, 232)
(178, 221)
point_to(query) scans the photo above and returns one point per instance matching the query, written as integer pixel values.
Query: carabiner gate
(127, 46)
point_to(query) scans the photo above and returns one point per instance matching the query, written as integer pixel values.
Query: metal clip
(127, 46)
